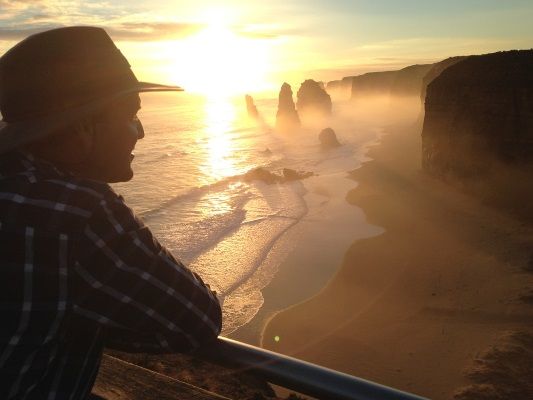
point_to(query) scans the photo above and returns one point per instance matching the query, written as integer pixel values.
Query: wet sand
(424, 306)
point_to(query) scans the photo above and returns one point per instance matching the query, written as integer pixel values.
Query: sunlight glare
(217, 62)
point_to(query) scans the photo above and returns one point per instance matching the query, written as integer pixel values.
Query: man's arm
(125, 280)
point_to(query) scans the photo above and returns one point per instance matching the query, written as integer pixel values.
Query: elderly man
(78, 270)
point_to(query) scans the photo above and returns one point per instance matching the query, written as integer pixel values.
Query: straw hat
(54, 78)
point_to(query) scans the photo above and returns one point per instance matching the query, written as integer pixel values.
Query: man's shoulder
(34, 185)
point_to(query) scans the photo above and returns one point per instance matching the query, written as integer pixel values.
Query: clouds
(19, 19)
(131, 31)
(13, 9)
(17, 34)
(16, 15)
(124, 22)
(147, 31)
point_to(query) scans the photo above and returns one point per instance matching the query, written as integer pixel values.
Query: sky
(254, 46)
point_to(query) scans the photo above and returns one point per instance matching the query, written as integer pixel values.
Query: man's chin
(120, 176)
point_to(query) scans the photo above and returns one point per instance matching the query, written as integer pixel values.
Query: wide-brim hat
(55, 78)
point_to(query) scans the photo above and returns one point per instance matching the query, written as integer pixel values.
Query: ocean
(189, 188)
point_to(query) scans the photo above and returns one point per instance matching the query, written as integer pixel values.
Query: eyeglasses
(134, 125)
(139, 126)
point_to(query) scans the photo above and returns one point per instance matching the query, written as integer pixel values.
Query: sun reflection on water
(219, 119)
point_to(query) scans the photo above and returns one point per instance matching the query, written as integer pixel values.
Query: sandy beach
(439, 305)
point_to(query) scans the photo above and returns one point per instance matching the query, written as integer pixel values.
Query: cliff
(435, 71)
(404, 82)
(408, 81)
(372, 84)
(479, 122)
(340, 88)
(313, 99)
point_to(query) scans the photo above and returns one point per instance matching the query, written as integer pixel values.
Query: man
(78, 270)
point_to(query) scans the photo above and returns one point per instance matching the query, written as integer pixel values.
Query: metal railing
(297, 375)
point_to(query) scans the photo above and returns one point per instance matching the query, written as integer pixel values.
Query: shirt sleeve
(127, 281)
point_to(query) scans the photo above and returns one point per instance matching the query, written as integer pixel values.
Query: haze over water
(189, 188)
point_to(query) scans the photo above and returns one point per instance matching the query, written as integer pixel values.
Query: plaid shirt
(79, 271)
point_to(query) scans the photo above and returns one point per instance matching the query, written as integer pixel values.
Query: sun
(219, 62)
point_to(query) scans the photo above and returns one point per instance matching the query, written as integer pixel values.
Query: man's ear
(72, 146)
(84, 136)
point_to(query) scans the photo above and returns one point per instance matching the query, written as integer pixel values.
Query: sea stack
(328, 139)
(250, 107)
(287, 117)
(313, 100)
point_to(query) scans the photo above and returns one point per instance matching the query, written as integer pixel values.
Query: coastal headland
(439, 304)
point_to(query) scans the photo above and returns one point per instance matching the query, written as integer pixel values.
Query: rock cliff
(341, 88)
(372, 84)
(435, 71)
(313, 99)
(286, 118)
(479, 115)
(404, 82)
(408, 81)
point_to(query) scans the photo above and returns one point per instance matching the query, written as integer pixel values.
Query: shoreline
(312, 248)
(412, 308)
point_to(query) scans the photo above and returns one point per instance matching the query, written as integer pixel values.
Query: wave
(191, 239)
(200, 191)
(191, 194)
(302, 211)
(265, 250)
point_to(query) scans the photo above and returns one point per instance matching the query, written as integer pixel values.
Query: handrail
(298, 375)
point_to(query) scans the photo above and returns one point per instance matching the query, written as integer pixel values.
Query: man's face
(116, 131)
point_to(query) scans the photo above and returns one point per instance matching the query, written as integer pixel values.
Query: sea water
(189, 188)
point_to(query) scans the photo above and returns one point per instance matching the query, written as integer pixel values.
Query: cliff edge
(478, 124)
(404, 82)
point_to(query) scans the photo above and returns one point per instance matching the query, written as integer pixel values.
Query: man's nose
(140, 128)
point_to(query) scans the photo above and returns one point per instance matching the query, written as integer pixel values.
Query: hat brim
(17, 134)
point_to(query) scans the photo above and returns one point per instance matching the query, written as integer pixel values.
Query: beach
(439, 304)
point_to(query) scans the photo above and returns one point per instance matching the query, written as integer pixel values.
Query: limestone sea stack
(250, 107)
(328, 139)
(313, 100)
(287, 117)
(479, 115)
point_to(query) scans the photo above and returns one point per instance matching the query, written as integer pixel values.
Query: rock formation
(286, 118)
(328, 139)
(372, 84)
(287, 175)
(340, 88)
(435, 71)
(333, 86)
(250, 107)
(479, 116)
(313, 99)
(404, 82)
(290, 174)
(408, 80)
